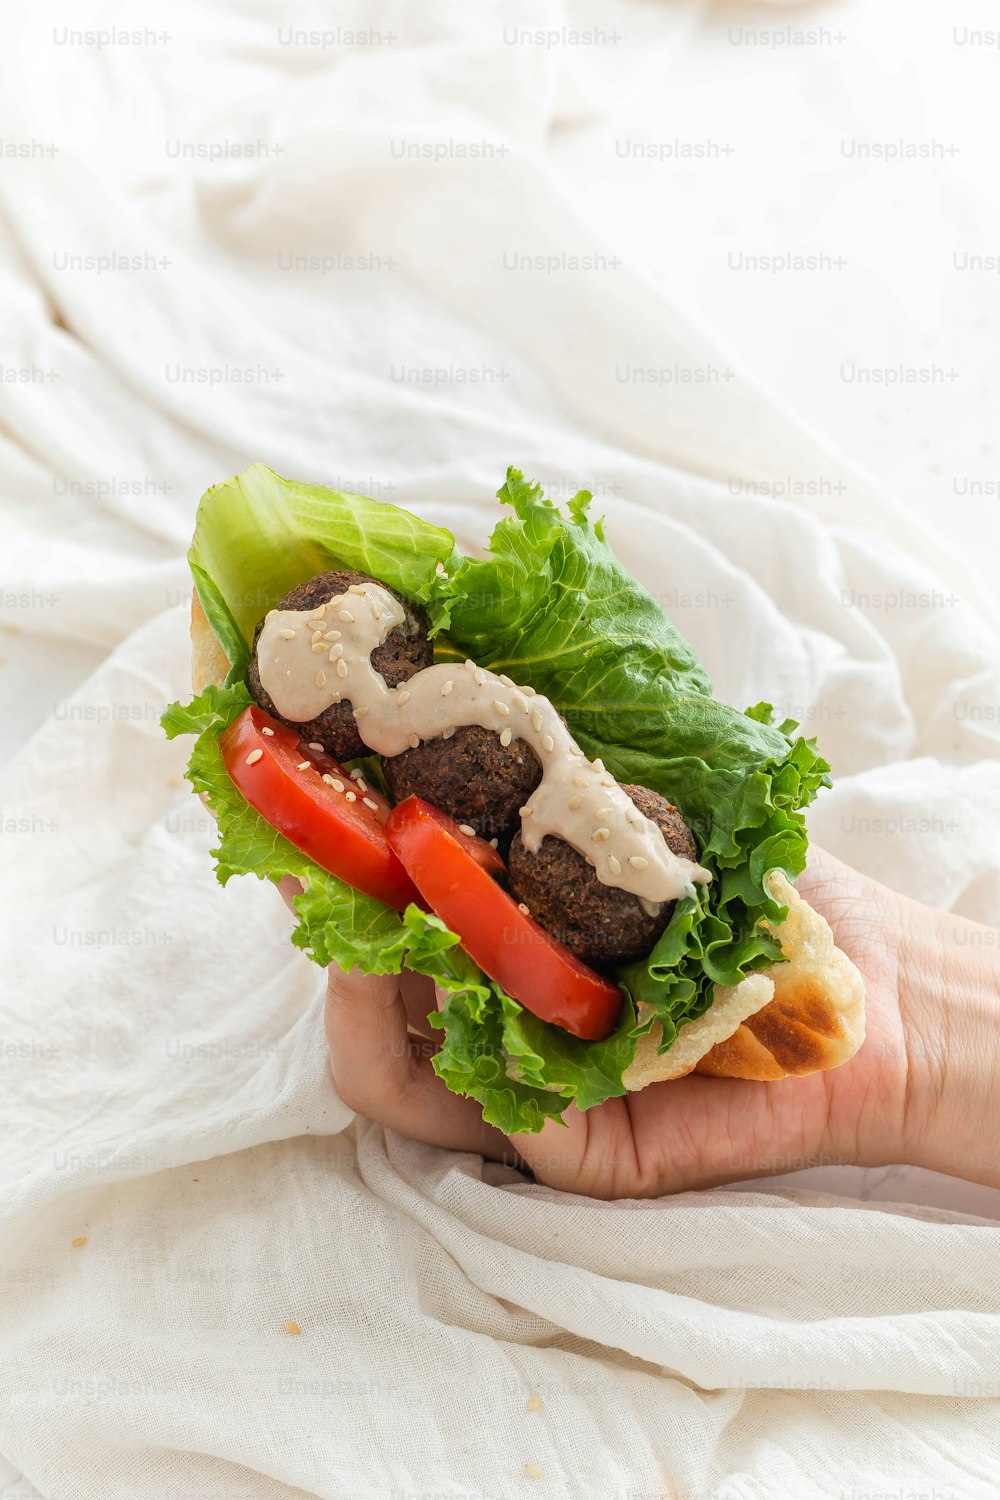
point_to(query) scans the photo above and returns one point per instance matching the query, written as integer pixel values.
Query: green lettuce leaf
(553, 608)
(337, 924)
(258, 535)
(340, 925)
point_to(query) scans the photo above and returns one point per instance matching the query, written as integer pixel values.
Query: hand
(933, 1001)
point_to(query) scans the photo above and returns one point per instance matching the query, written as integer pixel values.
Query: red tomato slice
(337, 822)
(485, 855)
(507, 944)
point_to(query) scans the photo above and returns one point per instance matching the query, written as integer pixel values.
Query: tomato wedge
(337, 822)
(507, 944)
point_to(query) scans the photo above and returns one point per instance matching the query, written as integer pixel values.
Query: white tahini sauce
(310, 659)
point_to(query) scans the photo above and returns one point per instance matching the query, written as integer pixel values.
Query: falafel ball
(599, 923)
(470, 776)
(404, 651)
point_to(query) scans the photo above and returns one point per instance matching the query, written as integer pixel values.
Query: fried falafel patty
(599, 923)
(404, 651)
(470, 776)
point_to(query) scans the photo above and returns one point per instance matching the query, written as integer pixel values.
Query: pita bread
(792, 1019)
(799, 1017)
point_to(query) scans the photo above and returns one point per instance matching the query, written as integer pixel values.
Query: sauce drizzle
(311, 659)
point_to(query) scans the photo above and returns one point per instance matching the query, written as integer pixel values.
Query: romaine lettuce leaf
(258, 535)
(552, 607)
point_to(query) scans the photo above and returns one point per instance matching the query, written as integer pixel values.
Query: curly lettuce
(551, 606)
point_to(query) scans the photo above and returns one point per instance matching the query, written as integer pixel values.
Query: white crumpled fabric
(166, 1096)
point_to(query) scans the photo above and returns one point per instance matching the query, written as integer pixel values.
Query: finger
(419, 999)
(687, 1133)
(418, 990)
(557, 1153)
(385, 1075)
(290, 888)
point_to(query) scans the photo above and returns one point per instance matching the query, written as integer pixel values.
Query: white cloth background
(166, 1096)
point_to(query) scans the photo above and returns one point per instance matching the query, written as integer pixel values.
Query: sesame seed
(506, 680)
(470, 664)
(448, 687)
(501, 707)
(598, 765)
(336, 783)
(575, 802)
(357, 712)
(293, 1329)
(341, 669)
(356, 774)
(321, 679)
(528, 692)
(332, 635)
(320, 610)
(79, 1242)
(536, 720)
(480, 677)
(315, 745)
(467, 829)
(602, 813)
(268, 732)
(345, 614)
(448, 733)
(607, 781)
(579, 781)
(637, 862)
(548, 743)
(329, 779)
(521, 907)
(494, 843)
(254, 757)
(286, 635)
(614, 865)
(532, 1471)
(362, 784)
(351, 797)
(370, 803)
(317, 636)
(534, 1403)
(335, 652)
(520, 703)
(439, 568)
(356, 588)
(526, 811)
(319, 645)
(303, 765)
(505, 737)
(601, 833)
(414, 741)
(402, 696)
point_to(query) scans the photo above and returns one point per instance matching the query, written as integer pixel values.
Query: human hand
(916, 1092)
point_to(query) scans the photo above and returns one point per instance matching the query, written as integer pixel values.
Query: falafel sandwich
(508, 773)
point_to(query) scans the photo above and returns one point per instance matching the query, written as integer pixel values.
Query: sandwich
(508, 773)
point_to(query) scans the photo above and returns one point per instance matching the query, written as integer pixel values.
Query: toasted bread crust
(795, 1018)
(815, 1019)
(209, 663)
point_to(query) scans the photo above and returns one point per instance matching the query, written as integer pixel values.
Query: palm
(688, 1133)
(696, 1131)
